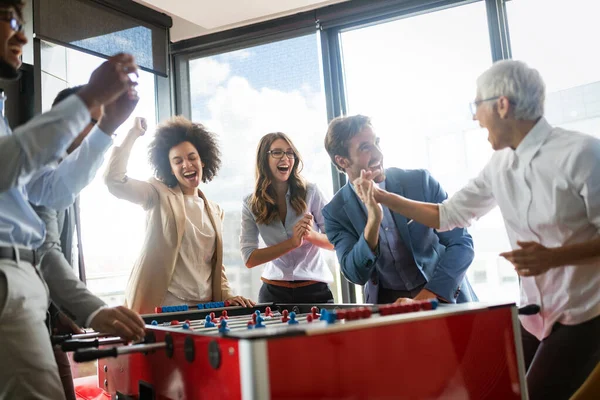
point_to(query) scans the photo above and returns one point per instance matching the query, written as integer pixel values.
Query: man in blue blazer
(391, 256)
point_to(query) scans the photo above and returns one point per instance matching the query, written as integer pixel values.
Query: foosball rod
(58, 339)
(76, 344)
(96, 354)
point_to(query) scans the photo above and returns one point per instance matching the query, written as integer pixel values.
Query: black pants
(315, 293)
(560, 363)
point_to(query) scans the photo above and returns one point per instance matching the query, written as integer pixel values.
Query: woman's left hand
(241, 301)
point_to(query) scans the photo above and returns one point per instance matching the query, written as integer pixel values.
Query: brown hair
(339, 133)
(178, 130)
(16, 4)
(262, 202)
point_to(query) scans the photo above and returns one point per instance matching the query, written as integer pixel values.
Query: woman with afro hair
(182, 257)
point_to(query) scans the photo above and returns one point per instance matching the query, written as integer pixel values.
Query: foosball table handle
(94, 354)
(72, 345)
(530, 309)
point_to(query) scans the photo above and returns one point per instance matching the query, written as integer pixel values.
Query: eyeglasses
(473, 106)
(278, 154)
(9, 16)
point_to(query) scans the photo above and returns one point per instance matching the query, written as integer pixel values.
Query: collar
(532, 142)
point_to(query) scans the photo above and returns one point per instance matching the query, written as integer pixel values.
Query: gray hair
(522, 85)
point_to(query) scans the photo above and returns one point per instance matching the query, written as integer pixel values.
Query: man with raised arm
(30, 369)
(546, 181)
(393, 257)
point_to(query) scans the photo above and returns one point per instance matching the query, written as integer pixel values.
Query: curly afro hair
(178, 130)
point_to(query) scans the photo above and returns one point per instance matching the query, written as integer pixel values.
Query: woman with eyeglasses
(285, 211)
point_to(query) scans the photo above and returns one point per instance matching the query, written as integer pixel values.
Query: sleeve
(41, 141)
(453, 264)
(585, 176)
(66, 290)
(52, 238)
(249, 232)
(124, 187)
(58, 187)
(470, 203)
(356, 259)
(316, 208)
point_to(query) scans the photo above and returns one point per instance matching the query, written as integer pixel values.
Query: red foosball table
(285, 351)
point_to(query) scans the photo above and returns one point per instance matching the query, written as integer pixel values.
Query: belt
(288, 284)
(30, 256)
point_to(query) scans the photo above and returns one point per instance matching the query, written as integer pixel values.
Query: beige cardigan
(152, 272)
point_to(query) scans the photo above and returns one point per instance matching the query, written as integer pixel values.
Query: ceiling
(193, 18)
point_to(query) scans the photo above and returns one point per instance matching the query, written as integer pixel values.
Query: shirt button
(387, 229)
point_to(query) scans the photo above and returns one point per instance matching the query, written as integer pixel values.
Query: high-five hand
(366, 190)
(109, 81)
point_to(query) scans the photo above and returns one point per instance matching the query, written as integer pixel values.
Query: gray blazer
(66, 290)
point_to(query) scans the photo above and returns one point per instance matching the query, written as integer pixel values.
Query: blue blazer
(442, 257)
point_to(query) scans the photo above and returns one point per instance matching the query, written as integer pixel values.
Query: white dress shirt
(192, 277)
(304, 263)
(548, 191)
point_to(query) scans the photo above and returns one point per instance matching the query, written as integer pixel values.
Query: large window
(415, 77)
(112, 230)
(243, 95)
(564, 56)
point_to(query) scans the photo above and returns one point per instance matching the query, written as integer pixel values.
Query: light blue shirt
(53, 186)
(395, 265)
(303, 263)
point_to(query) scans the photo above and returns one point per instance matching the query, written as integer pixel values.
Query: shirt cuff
(443, 211)
(93, 315)
(74, 107)
(371, 256)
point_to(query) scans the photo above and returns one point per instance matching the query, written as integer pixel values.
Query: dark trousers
(560, 363)
(315, 293)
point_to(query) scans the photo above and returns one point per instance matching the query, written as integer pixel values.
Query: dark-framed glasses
(278, 154)
(9, 16)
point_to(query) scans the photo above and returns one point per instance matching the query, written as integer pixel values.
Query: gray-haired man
(546, 182)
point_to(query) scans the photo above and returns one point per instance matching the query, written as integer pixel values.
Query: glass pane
(415, 77)
(243, 95)
(54, 59)
(51, 86)
(565, 57)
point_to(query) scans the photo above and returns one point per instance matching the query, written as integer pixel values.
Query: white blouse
(191, 280)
